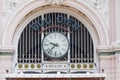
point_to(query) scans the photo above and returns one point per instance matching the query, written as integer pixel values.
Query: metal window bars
(81, 43)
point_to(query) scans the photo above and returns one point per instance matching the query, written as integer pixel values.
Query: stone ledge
(117, 52)
(6, 53)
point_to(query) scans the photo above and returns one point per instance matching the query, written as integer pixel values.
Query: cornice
(7, 50)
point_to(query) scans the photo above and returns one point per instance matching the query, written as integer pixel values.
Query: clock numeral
(55, 35)
(55, 53)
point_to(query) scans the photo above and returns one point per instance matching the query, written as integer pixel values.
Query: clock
(55, 45)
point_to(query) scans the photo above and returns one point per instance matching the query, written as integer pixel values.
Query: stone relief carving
(101, 6)
(10, 6)
(55, 1)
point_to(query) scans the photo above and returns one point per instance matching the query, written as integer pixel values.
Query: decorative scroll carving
(55, 1)
(10, 6)
(99, 6)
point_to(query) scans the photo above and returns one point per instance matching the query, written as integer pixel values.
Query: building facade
(59, 39)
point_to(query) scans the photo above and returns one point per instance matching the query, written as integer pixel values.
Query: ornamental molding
(8, 49)
(10, 6)
(55, 1)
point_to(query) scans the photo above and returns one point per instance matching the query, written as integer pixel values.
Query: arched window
(81, 49)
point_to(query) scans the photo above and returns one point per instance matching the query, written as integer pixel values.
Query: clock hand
(54, 44)
(51, 48)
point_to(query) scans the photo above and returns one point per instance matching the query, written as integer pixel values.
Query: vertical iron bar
(78, 42)
(90, 51)
(35, 44)
(87, 47)
(26, 44)
(32, 44)
(42, 36)
(69, 56)
(23, 53)
(75, 44)
(29, 44)
(20, 50)
(82, 43)
(38, 42)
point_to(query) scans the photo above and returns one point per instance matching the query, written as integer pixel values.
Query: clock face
(55, 45)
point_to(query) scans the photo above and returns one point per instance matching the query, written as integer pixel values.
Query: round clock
(55, 45)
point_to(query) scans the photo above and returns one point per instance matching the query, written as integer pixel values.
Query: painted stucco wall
(103, 13)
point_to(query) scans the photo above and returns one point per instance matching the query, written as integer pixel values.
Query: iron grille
(81, 43)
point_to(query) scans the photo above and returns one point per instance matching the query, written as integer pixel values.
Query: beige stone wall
(109, 37)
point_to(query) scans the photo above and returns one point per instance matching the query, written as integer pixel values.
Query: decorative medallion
(78, 66)
(26, 66)
(20, 66)
(84, 66)
(32, 66)
(72, 66)
(91, 66)
(38, 66)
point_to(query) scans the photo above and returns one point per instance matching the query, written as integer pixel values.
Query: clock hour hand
(54, 44)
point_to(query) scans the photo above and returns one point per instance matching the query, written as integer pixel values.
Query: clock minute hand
(51, 48)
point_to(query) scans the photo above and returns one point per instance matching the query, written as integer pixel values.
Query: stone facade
(102, 14)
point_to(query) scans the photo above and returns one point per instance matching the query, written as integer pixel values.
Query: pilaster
(117, 65)
(114, 22)
(110, 64)
(1, 27)
(117, 19)
(5, 63)
(112, 28)
(107, 64)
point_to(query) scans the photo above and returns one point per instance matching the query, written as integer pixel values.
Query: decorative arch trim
(11, 27)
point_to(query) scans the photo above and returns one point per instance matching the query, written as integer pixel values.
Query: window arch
(81, 44)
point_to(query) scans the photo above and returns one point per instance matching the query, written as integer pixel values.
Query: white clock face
(55, 45)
